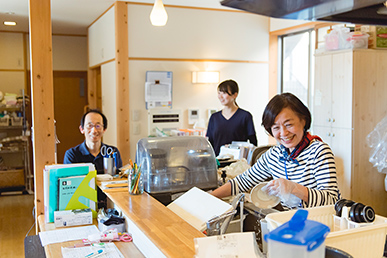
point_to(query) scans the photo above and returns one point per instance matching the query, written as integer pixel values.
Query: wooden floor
(15, 221)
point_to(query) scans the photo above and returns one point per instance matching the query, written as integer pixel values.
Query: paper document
(68, 234)
(227, 245)
(109, 250)
(114, 184)
(197, 207)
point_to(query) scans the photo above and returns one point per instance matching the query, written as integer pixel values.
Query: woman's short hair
(97, 111)
(278, 103)
(229, 86)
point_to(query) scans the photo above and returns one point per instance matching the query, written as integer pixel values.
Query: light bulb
(158, 15)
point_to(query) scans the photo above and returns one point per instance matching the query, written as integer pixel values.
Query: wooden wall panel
(370, 94)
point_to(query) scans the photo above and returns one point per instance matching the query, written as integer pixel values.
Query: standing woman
(231, 123)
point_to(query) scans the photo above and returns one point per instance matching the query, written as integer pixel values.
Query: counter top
(156, 230)
(128, 249)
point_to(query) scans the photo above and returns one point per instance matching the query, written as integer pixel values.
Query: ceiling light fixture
(158, 15)
(9, 23)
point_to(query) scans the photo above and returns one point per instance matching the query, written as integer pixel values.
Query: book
(67, 188)
(51, 174)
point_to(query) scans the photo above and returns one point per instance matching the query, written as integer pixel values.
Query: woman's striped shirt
(314, 168)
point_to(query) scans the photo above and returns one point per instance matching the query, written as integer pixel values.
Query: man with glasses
(93, 126)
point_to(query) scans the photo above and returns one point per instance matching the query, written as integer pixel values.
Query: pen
(95, 254)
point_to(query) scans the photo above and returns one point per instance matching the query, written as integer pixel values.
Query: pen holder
(108, 166)
(135, 184)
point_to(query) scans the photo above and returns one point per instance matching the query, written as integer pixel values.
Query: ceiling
(74, 16)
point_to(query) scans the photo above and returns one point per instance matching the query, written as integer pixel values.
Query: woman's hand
(283, 188)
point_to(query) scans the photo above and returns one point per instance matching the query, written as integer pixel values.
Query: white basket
(359, 241)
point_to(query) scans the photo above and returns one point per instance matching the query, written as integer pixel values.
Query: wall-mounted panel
(195, 33)
(11, 51)
(102, 39)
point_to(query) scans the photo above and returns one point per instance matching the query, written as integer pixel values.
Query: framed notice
(158, 89)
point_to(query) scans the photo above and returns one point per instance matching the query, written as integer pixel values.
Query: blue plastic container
(298, 238)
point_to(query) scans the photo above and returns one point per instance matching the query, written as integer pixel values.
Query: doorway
(70, 99)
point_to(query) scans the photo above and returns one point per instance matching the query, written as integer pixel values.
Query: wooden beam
(122, 79)
(41, 94)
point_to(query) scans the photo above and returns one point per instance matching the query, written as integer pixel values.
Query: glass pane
(295, 66)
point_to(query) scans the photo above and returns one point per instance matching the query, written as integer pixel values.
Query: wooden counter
(156, 230)
(128, 249)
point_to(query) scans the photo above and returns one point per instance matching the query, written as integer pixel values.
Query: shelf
(9, 151)
(10, 109)
(11, 127)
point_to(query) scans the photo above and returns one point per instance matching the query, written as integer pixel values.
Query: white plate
(261, 199)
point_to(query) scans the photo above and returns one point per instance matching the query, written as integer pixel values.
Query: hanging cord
(33, 216)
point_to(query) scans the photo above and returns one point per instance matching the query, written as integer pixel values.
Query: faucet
(219, 224)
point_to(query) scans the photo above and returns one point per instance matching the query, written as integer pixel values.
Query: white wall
(102, 39)
(11, 51)
(192, 33)
(252, 80)
(279, 24)
(69, 53)
(12, 78)
(108, 82)
(234, 43)
(12, 81)
(199, 34)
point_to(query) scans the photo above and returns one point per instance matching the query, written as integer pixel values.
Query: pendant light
(158, 15)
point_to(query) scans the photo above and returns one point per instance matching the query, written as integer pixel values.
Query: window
(297, 64)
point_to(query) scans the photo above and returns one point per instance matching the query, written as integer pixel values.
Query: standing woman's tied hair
(230, 87)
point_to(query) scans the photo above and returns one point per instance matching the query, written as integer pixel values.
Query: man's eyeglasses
(97, 127)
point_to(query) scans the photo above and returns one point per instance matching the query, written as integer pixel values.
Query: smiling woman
(301, 165)
(231, 123)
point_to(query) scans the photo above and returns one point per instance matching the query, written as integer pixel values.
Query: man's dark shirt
(80, 154)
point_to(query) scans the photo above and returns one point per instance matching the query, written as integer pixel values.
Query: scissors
(106, 152)
(125, 237)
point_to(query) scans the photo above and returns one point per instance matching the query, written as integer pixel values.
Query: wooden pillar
(122, 79)
(41, 94)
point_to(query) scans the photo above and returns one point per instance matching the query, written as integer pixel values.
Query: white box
(73, 217)
(365, 241)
